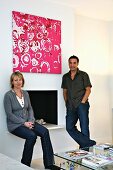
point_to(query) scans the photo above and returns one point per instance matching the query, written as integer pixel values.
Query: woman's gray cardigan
(16, 115)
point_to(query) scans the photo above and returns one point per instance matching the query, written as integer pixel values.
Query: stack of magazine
(99, 159)
(96, 161)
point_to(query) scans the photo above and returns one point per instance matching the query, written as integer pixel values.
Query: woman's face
(17, 82)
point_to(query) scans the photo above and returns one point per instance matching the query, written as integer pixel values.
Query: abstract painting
(36, 44)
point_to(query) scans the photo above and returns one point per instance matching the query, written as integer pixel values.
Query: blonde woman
(21, 122)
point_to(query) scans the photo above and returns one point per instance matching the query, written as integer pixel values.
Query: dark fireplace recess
(44, 104)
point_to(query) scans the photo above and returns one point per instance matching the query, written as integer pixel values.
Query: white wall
(92, 47)
(32, 80)
(111, 60)
(85, 37)
(111, 68)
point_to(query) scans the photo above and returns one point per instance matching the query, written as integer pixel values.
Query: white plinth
(7, 163)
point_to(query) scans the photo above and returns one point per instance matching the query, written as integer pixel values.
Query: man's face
(73, 64)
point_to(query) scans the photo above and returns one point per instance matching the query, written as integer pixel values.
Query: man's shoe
(86, 147)
(92, 142)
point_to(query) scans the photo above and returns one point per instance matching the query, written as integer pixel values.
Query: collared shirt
(75, 88)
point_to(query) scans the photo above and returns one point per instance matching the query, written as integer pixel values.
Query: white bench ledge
(7, 163)
(53, 126)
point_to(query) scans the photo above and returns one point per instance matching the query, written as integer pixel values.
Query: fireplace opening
(44, 104)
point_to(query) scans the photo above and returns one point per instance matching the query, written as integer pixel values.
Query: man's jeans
(31, 136)
(80, 113)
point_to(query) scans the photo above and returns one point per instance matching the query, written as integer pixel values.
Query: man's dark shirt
(75, 88)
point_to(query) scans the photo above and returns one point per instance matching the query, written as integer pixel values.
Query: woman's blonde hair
(20, 75)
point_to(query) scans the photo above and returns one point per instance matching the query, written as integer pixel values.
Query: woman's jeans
(80, 113)
(31, 136)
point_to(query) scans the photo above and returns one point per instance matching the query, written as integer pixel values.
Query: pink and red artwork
(36, 44)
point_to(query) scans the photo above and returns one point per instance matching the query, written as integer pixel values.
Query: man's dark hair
(74, 57)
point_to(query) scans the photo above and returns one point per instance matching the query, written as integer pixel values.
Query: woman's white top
(21, 101)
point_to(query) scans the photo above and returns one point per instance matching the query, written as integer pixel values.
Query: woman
(21, 122)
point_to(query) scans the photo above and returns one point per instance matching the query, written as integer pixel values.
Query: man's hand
(86, 95)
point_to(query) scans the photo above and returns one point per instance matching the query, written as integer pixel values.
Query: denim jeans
(30, 137)
(80, 113)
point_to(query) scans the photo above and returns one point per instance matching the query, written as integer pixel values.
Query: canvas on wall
(36, 43)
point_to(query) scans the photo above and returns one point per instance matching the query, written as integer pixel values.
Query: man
(76, 90)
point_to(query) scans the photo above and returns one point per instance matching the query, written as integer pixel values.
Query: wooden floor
(37, 164)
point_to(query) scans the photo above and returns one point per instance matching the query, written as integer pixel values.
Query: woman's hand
(30, 125)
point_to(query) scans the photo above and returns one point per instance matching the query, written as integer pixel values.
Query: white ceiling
(99, 9)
